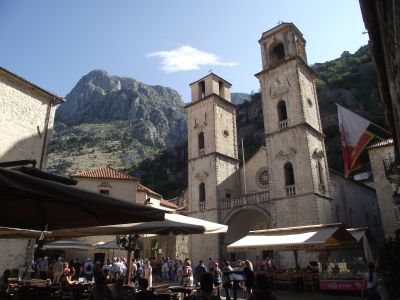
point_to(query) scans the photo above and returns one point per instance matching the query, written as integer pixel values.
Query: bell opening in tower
(277, 53)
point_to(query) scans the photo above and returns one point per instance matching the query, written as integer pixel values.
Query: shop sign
(340, 285)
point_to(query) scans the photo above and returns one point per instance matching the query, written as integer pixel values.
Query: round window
(262, 177)
(225, 133)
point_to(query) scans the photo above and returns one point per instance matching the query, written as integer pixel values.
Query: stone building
(380, 156)
(26, 122)
(109, 181)
(287, 182)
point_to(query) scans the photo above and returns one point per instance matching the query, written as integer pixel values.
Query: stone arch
(240, 221)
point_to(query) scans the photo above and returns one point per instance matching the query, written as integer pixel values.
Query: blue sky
(53, 43)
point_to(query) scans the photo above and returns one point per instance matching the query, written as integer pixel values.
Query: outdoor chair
(311, 280)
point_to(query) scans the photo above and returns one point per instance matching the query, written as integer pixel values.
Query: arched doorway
(240, 222)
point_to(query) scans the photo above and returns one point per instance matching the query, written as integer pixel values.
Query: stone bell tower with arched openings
(296, 157)
(212, 158)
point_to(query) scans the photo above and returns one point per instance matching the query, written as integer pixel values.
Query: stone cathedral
(286, 183)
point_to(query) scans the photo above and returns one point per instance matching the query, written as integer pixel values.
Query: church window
(227, 195)
(309, 102)
(319, 170)
(221, 89)
(277, 53)
(201, 140)
(202, 192)
(202, 89)
(289, 175)
(282, 113)
(262, 177)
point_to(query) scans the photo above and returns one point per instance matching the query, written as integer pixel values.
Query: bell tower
(296, 157)
(212, 157)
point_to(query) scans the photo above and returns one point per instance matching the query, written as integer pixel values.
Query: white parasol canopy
(68, 244)
(173, 224)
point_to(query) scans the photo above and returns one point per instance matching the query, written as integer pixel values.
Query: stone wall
(118, 188)
(383, 188)
(24, 110)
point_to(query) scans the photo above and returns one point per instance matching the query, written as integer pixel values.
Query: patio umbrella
(68, 244)
(107, 245)
(7, 232)
(173, 224)
(35, 203)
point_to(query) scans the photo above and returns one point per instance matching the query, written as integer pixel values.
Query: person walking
(370, 283)
(57, 270)
(250, 277)
(88, 269)
(227, 281)
(199, 271)
(148, 273)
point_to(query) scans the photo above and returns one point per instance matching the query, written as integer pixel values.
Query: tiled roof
(57, 98)
(166, 203)
(142, 188)
(104, 173)
(387, 142)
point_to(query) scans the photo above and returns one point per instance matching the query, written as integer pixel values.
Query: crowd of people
(209, 276)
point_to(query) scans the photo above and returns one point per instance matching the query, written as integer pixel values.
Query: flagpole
(385, 130)
(244, 169)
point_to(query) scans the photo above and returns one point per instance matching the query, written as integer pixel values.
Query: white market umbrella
(173, 224)
(68, 244)
(107, 245)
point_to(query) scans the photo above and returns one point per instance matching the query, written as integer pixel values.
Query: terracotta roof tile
(387, 142)
(166, 203)
(105, 173)
(142, 188)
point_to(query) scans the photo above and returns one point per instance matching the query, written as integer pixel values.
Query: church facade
(287, 182)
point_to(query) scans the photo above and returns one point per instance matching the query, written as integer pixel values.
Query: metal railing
(254, 198)
(202, 206)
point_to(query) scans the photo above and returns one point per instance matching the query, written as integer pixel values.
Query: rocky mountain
(239, 98)
(114, 120)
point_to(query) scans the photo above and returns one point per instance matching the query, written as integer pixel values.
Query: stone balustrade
(254, 198)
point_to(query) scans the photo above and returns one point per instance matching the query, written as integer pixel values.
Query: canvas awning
(312, 237)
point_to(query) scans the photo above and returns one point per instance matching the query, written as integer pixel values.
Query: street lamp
(130, 242)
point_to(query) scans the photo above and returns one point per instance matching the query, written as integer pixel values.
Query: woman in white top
(370, 281)
(148, 273)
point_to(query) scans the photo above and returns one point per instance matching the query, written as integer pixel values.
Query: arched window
(282, 113)
(319, 170)
(201, 140)
(289, 175)
(277, 53)
(202, 192)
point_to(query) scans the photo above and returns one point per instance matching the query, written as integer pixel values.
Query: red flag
(354, 136)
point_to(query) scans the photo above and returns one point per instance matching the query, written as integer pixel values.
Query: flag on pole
(354, 136)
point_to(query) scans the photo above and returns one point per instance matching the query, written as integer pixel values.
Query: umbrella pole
(296, 258)
(128, 267)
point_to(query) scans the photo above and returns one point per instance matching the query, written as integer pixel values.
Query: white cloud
(187, 58)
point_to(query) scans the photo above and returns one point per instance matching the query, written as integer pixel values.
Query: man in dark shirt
(199, 271)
